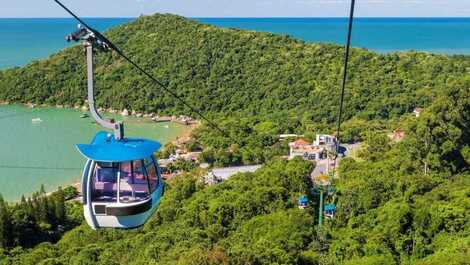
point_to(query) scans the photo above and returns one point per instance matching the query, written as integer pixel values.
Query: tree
(5, 225)
(59, 203)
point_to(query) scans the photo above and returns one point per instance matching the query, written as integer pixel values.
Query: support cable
(345, 77)
(341, 105)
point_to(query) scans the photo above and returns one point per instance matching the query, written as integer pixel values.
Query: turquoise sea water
(26, 39)
(32, 154)
(23, 40)
(437, 35)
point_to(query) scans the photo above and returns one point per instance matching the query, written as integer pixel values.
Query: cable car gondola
(121, 183)
(330, 210)
(303, 202)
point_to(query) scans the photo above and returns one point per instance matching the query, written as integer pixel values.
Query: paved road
(320, 168)
(322, 165)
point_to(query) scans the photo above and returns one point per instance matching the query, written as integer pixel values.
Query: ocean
(23, 40)
(436, 35)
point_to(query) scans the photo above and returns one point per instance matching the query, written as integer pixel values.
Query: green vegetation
(400, 203)
(387, 214)
(36, 219)
(201, 225)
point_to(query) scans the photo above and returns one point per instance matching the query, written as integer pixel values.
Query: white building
(315, 151)
(325, 139)
(218, 175)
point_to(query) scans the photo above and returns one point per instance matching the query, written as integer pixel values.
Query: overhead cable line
(345, 77)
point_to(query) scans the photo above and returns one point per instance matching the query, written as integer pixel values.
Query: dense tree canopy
(36, 219)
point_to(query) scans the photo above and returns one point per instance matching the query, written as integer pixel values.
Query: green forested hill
(390, 210)
(255, 84)
(234, 71)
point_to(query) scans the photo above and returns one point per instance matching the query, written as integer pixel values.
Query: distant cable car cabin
(330, 210)
(121, 182)
(303, 202)
(330, 191)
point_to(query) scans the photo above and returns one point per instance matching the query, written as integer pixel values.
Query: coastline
(151, 116)
(177, 131)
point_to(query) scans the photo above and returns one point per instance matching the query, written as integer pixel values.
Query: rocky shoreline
(181, 119)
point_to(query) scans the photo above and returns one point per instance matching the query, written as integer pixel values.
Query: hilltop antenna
(102, 41)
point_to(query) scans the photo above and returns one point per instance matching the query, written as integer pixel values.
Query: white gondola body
(102, 220)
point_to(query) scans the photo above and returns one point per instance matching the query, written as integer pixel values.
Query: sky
(238, 8)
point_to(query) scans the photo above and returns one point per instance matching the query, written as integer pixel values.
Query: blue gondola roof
(330, 207)
(106, 148)
(303, 199)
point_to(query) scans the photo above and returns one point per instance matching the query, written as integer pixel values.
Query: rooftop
(299, 143)
(226, 172)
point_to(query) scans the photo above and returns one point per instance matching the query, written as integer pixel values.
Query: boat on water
(84, 115)
(36, 120)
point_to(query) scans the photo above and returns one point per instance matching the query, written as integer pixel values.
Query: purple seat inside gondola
(105, 184)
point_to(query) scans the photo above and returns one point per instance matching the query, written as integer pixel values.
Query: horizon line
(247, 17)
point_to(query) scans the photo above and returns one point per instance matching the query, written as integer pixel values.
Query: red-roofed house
(299, 143)
(417, 112)
(311, 151)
